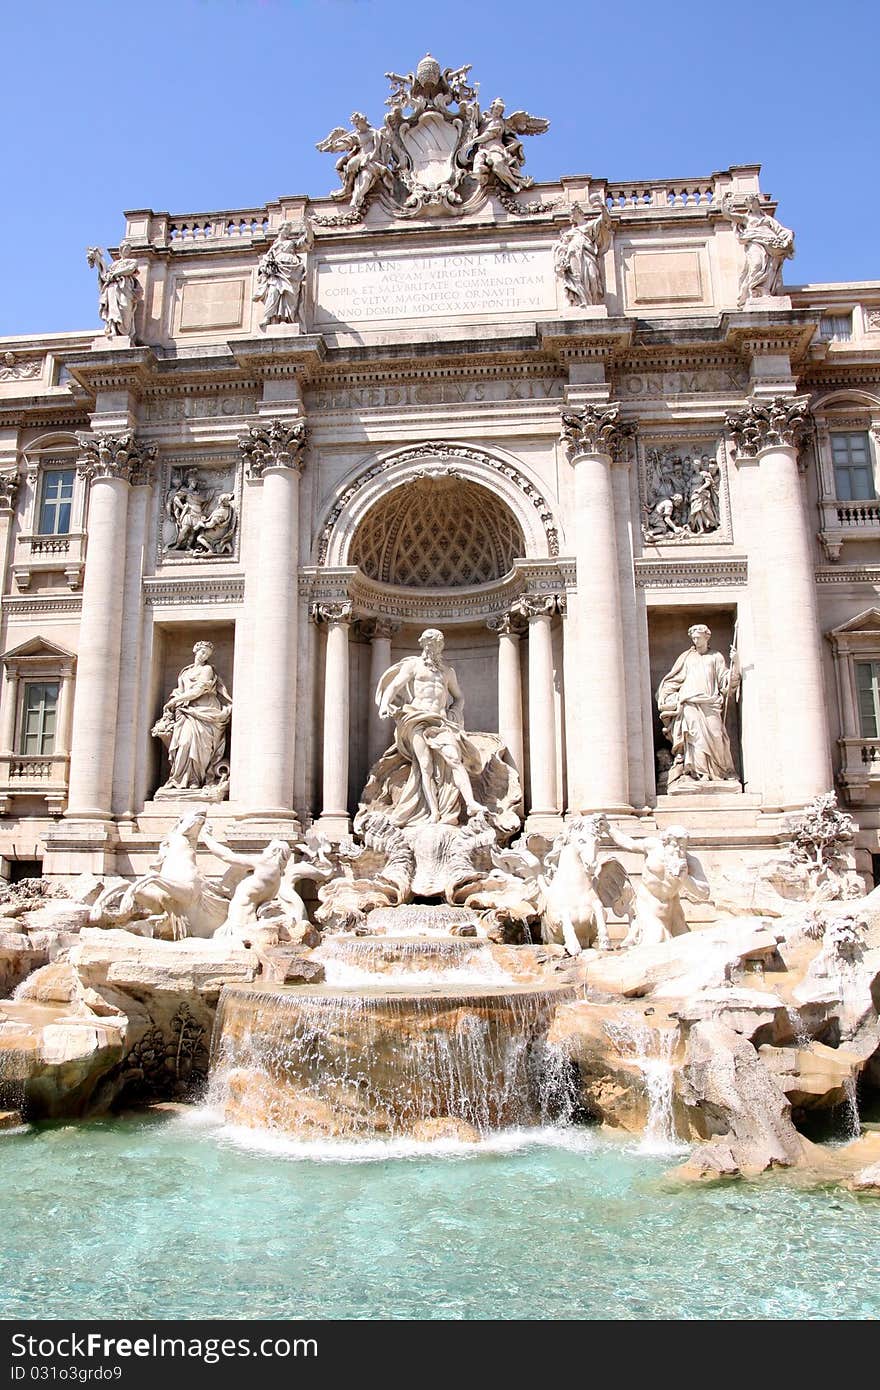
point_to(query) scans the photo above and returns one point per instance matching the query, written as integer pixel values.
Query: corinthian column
(768, 434)
(334, 813)
(107, 462)
(593, 437)
(510, 712)
(273, 453)
(544, 783)
(379, 731)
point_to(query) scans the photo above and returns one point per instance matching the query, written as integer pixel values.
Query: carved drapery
(782, 423)
(273, 444)
(115, 456)
(595, 430)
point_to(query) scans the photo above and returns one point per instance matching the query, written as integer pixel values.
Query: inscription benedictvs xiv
(440, 285)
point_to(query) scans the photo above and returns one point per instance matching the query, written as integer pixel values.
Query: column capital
(377, 627)
(114, 455)
(9, 484)
(538, 605)
(595, 430)
(509, 624)
(332, 613)
(781, 423)
(273, 444)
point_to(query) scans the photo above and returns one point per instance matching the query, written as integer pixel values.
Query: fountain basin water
(334, 1063)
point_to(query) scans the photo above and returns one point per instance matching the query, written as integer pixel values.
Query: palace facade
(562, 423)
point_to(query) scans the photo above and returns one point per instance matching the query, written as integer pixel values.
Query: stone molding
(27, 607)
(410, 463)
(691, 574)
(595, 430)
(194, 592)
(781, 423)
(273, 444)
(848, 574)
(509, 624)
(119, 456)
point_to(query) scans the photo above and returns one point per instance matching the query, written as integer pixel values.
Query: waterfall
(798, 1028)
(851, 1101)
(651, 1049)
(352, 962)
(321, 1062)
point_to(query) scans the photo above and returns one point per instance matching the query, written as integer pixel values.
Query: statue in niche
(120, 290)
(365, 161)
(193, 728)
(435, 772)
(201, 526)
(682, 496)
(497, 149)
(669, 873)
(692, 699)
(767, 245)
(579, 254)
(281, 272)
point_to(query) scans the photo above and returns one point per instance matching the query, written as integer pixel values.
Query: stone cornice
(288, 355)
(114, 369)
(778, 332)
(781, 423)
(583, 340)
(273, 444)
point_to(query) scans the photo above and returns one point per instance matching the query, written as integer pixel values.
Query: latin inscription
(444, 284)
(433, 393)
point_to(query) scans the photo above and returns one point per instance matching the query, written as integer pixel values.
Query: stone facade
(428, 422)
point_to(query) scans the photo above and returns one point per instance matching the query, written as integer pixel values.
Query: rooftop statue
(120, 290)
(579, 253)
(281, 272)
(767, 245)
(435, 149)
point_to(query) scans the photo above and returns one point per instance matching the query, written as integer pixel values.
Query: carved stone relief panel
(200, 510)
(683, 491)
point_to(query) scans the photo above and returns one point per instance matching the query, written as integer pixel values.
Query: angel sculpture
(120, 290)
(365, 160)
(499, 151)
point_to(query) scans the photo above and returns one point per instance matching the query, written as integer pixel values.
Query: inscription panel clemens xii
(439, 284)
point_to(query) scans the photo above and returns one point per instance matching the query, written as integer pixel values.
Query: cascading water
(324, 1062)
(352, 962)
(652, 1050)
(851, 1102)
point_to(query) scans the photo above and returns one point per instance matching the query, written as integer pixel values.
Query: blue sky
(195, 105)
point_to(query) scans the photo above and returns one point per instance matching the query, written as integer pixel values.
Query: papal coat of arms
(436, 149)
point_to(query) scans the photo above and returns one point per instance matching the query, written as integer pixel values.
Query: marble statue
(364, 163)
(260, 885)
(497, 150)
(692, 699)
(682, 495)
(281, 272)
(193, 728)
(669, 873)
(767, 245)
(580, 886)
(173, 893)
(579, 254)
(120, 290)
(435, 772)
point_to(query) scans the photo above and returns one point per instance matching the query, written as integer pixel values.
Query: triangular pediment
(39, 647)
(867, 622)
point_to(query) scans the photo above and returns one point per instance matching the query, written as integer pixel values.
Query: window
(38, 717)
(56, 500)
(836, 328)
(853, 471)
(868, 689)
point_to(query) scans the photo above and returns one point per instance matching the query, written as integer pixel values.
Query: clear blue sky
(195, 105)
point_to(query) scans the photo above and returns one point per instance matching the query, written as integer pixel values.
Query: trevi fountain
(440, 754)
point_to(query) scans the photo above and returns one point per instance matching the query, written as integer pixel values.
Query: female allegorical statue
(193, 728)
(692, 700)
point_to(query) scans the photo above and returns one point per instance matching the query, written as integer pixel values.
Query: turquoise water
(158, 1217)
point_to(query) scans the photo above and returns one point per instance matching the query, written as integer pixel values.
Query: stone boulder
(53, 1062)
(814, 1077)
(736, 1101)
(694, 961)
(19, 955)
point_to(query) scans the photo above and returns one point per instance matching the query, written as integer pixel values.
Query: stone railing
(663, 193)
(34, 775)
(250, 223)
(37, 553)
(865, 513)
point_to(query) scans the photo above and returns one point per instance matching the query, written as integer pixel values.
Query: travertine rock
(683, 965)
